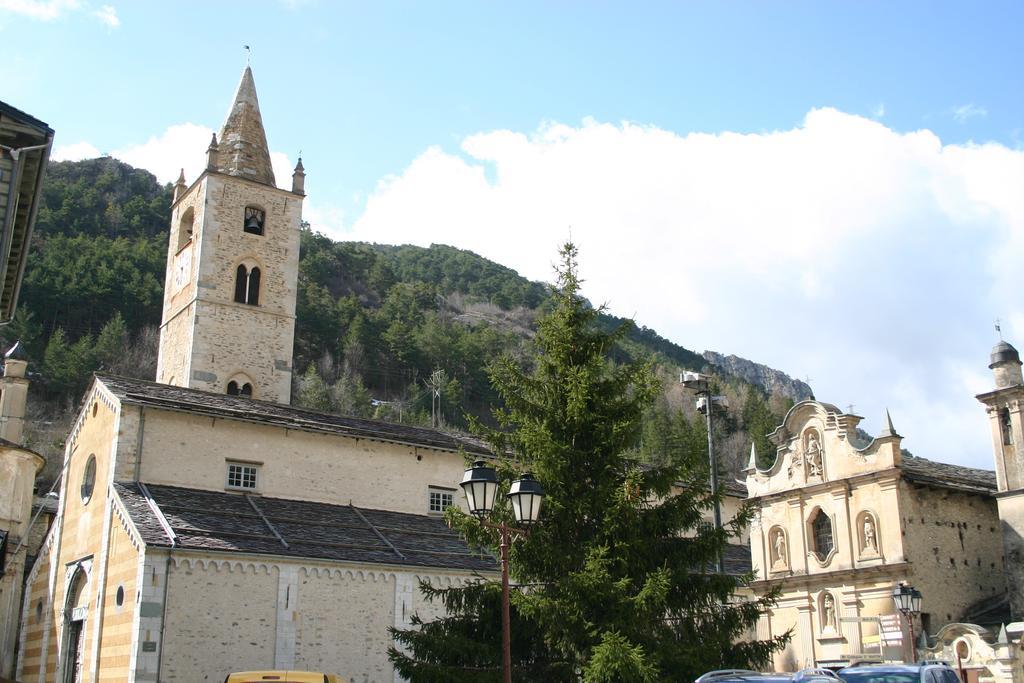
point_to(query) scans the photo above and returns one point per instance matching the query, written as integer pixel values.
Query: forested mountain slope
(392, 332)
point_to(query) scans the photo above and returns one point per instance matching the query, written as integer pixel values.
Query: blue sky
(834, 189)
(363, 88)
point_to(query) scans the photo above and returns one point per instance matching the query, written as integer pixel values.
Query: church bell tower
(1005, 408)
(232, 266)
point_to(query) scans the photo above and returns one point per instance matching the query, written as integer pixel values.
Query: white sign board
(891, 629)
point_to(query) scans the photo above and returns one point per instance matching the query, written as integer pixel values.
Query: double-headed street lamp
(706, 403)
(908, 602)
(480, 484)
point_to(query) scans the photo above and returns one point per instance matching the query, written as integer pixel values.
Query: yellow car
(282, 677)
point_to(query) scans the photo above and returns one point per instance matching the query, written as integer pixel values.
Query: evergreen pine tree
(313, 391)
(619, 572)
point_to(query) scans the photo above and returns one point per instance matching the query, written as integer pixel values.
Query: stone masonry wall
(192, 450)
(231, 337)
(206, 337)
(235, 613)
(954, 545)
(79, 538)
(342, 620)
(116, 631)
(220, 617)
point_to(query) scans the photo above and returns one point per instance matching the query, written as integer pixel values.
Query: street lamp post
(908, 602)
(706, 403)
(480, 484)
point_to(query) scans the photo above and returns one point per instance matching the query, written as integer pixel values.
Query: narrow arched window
(253, 294)
(240, 385)
(1005, 426)
(254, 218)
(185, 228)
(247, 285)
(241, 283)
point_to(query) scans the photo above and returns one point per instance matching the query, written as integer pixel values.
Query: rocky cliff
(773, 381)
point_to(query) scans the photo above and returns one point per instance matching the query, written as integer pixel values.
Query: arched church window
(821, 534)
(240, 387)
(253, 295)
(247, 285)
(185, 226)
(1005, 426)
(241, 283)
(254, 217)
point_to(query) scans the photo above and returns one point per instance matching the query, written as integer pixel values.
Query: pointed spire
(1003, 638)
(212, 154)
(245, 143)
(752, 463)
(299, 179)
(888, 432)
(180, 186)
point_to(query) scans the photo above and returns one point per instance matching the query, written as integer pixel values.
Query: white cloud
(879, 111)
(968, 111)
(75, 152)
(871, 260)
(43, 10)
(50, 10)
(108, 15)
(182, 146)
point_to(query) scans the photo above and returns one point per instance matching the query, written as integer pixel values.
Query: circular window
(89, 479)
(119, 598)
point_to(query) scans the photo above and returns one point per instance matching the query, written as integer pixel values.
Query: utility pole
(435, 384)
(706, 403)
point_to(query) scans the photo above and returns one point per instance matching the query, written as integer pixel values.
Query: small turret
(212, 154)
(180, 186)
(889, 432)
(752, 463)
(13, 394)
(299, 179)
(1005, 365)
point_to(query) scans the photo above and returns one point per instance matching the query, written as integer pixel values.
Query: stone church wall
(220, 617)
(953, 539)
(85, 523)
(295, 464)
(342, 620)
(228, 614)
(116, 634)
(233, 337)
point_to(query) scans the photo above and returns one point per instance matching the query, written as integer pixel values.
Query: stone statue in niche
(829, 621)
(813, 455)
(870, 541)
(779, 543)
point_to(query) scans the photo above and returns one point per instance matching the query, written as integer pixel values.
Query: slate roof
(948, 476)
(736, 560)
(150, 394)
(226, 522)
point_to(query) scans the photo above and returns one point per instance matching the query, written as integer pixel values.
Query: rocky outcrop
(773, 381)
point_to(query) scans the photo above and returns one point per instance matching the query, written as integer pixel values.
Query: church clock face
(182, 269)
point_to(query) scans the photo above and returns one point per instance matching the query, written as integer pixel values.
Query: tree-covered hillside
(392, 332)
